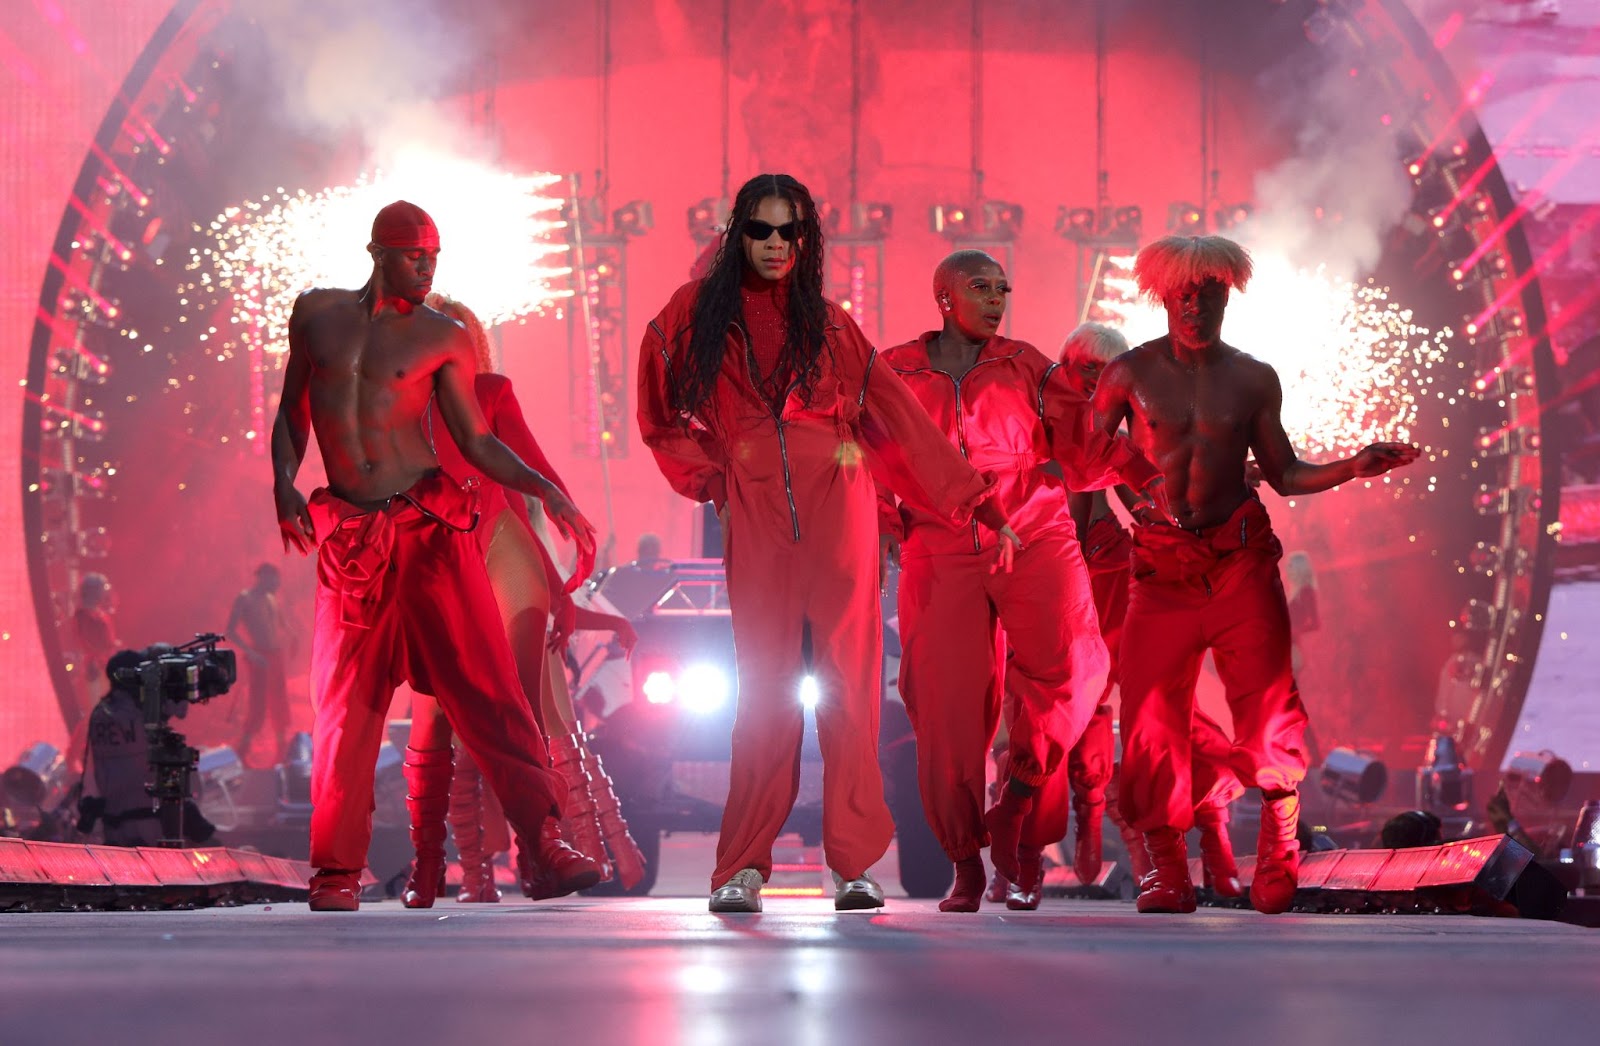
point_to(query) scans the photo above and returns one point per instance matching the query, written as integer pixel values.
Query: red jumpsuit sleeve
(890, 523)
(1089, 459)
(916, 460)
(510, 426)
(687, 454)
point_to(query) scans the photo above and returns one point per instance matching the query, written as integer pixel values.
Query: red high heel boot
(1087, 844)
(428, 802)
(1167, 888)
(466, 822)
(580, 823)
(1277, 855)
(626, 857)
(554, 869)
(1216, 851)
(1025, 893)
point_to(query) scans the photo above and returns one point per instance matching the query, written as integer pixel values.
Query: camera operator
(115, 780)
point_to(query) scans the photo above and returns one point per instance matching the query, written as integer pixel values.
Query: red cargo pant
(1218, 590)
(950, 607)
(402, 595)
(781, 591)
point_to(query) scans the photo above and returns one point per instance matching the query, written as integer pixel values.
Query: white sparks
(1354, 364)
(499, 254)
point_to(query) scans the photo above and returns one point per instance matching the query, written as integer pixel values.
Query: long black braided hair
(719, 303)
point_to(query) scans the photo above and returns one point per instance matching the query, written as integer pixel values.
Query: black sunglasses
(761, 231)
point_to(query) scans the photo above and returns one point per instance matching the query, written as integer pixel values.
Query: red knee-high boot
(1132, 838)
(626, 857)
(1167, 888)
(467, 823)
(581, 824)
(1216, 851)
(1025, 892)
(1087, 845)
(1277, 854)
(428, 801)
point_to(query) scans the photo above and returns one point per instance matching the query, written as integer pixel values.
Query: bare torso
(256, 614)
(1194, 416)
(369, 382)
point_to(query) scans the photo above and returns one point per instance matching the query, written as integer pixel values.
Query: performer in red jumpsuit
(758, 395)
(1091, 763)
(402, 593)
(1010, 411)
(1198, 408)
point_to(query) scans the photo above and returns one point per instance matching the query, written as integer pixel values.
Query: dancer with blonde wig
(1198, 408)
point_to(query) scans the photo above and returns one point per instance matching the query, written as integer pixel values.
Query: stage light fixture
(634, 218)
(872, 221)
(951, 220)
(1354, 777)
(1127, 223)
(1444, 782)
(1075, 223)
(39, 773)
(1002, 221)
(708, 218)
(1543, 778)
(1185, 219)
(1233, 215)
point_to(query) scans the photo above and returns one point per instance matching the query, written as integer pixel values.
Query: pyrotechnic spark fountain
(496, 228)
(1355, 366)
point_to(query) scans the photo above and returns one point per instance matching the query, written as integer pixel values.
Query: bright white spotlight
(703, 688)
(659, 688)
(810, 691)
(501, 254)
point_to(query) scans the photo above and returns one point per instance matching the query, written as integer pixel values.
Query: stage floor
(665, 971)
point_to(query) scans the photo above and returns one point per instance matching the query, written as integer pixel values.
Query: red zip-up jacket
(781, 465)
(1010, 414)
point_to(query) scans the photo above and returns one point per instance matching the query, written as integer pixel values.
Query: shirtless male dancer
(1198, 408)
(402, 593)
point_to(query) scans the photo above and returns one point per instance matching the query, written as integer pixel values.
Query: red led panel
(1461, 862)
(68, 864)
(1315, 868)
(172, 867)
(1404, 871)
(124, 866)
(214, 865)
(1357, 869)
(253, 866)
(17, 864)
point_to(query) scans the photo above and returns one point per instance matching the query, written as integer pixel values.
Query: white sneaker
(742, 893)
(854, 894)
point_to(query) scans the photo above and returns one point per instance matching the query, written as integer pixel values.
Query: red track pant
(781, 590)
(1202, 595)
(950, 607)
(402, 596)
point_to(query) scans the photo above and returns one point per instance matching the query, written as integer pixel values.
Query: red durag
(403, 224)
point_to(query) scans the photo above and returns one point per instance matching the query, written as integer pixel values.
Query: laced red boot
(1167, 888)
(967, 893)
(626, 857)
(1025, 893)
(1216, 851)
(1087, 845)
(1277, 855)
(428, 802)
(333, 890)
(466, 822)
(580, 822)
(554, 869)
(1004, 824)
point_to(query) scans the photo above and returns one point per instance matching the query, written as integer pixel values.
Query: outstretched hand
(568, 521)
(1010, 545)
(1153, 506)
(294, 520)
(1378, 458)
